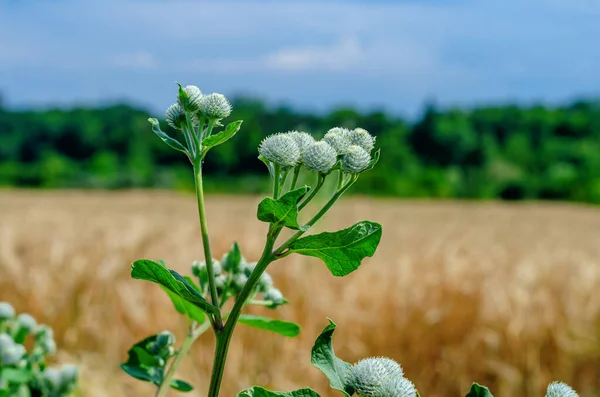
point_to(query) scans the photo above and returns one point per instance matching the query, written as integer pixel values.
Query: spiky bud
(164, 339)
(6, 311)
(238, 281)
(68, 374)
(198, 269)
(366, 375)
(320, 157)
(214, 106)
(26, 322)
(302, 139)
(275, 296)
(47, 346)
(175, 116)
(5, 341)
(265, 282)
(220, 282)
(560, 389)
(11, 355)
(362, 138)
(194, 95)
(396, 387)
(216, 265)
(339, 139)
(280, 149)
(355, 160)
(44, 331)
(52, 378)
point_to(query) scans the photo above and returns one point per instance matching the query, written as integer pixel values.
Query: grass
(505, 295)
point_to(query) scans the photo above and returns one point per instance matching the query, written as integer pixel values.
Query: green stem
(318, 186)
(193, 136)
(340, 179)
(276, 177)
(218, 323)
(224, 337)
(192, 335)
(295, 177)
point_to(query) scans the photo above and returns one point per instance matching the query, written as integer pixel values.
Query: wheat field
(507, 295)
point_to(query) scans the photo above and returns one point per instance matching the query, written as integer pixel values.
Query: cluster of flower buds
(15, 331)
(212, 107)
(294, 148)
(231, 274)
(559, 389)
(379, 377)
(163, 347)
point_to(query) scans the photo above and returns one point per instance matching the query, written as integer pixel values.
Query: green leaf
(478, 390)
(257, 391)
(182, 386)
(143, 365)
(233, 259)
(145, 269)
(174, 143)
(284, 210)
(323, 357)
(374, 161)
(342, 251)
(185, 307)
(15, 375)
(284, 328)
(221, 137)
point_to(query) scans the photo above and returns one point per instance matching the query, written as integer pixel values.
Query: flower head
(6, 311)
(302, 139)
(320, 157)
(362, 138)
(396, 387)
(339, 139)
(280, 149)
(367, 375)
(214, 106)
(559, 389)
(175, 116)
(27, 322)
(274, 295)
(265, 282)
(193, 98)
(355, 160)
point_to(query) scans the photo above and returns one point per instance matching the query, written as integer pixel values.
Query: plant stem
(218, 322)
(192, 335)
(318, 186)
(224, 337)
(276, 177)
(295, 177)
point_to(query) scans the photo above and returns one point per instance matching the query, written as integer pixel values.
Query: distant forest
(507, 152)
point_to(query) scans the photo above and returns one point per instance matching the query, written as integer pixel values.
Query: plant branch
(313, 193)
(295, 177)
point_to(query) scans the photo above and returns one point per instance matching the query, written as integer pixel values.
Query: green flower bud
(396, 387)
(44, 331)
(68, 375)
(52, 379)
(164, 339)
(11, 355)
(355, 160)
(220, 282)
(199, 269)
(302, 139)
(6, 341)
(559, 389)
(194, 95)
(6, 311)
(362, 138)
(339, 139)
(275, 296)
(265, 282)
(367, 374)
(238, 281)
(26, 322)
(214, 106)
(175, 116)
(280, 149)
(249, 268)
(320, 157)
(48, 346)
(217, 269)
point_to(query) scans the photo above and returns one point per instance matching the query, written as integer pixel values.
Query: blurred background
(488, 117)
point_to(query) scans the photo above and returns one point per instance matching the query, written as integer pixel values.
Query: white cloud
(347, 54)
(137, 60)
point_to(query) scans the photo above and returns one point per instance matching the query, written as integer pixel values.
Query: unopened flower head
(6, 311)
(6, 341)
(194, 95)
(559, 389)
(52, 378)
(339, 139)
(48, 346)
(27, 322)
(274, 295)
(265, 282)
(220, 282)
(214, 106)
(280, 149)
(362, 138)
(320, 157)
(68, 374)
(355, 160)
(238, 281)
(367, 374)
(44, 331)
(11, 355)
(396, 387)
(175, 116)
(302, 139)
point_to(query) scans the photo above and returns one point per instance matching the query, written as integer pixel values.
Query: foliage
(23, 372)
(506, 152)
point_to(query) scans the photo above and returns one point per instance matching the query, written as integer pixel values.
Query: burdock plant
(343, 154)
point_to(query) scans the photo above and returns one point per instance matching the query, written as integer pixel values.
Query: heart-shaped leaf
(145, 269)
(221, 137)
(284, 210)
(342, 251)
(284, 328)
(258, 391)
(478, 390)
(174, 143)
(323, 357)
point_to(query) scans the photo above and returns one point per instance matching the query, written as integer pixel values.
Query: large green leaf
(323, 357)
(15, 375)
(185, 307)
(174, 143)
(342, 251)
(284, 328)
(478, 390)
(221, 137)
(145, 269)
(257, 391)
(284, 210)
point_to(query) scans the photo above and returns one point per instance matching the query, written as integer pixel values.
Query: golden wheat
(506, 295)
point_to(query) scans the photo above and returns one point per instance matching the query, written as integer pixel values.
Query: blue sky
(308, 54)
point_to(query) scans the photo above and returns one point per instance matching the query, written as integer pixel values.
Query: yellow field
(506, 295)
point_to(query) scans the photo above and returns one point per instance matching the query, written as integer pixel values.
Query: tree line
(508, 152)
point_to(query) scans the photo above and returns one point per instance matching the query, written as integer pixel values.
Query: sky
(311, 55)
